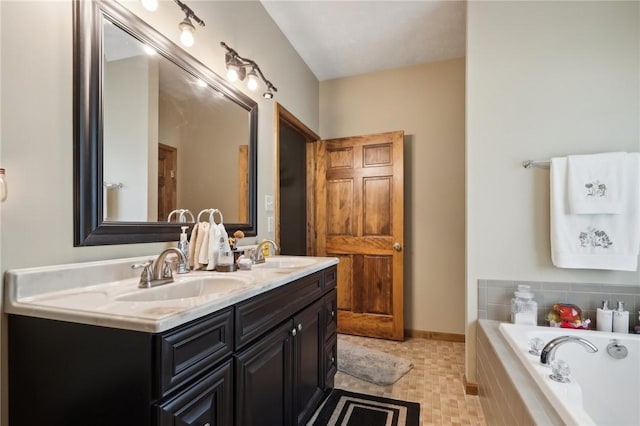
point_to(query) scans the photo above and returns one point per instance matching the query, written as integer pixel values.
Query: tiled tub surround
(494, 298)
(508, 394)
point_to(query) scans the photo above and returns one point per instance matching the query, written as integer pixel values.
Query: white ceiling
(343, 38)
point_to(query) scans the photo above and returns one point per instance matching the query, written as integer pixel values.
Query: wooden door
(359, 219)
(167, 180)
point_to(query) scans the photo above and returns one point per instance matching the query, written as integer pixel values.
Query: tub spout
(549, 351)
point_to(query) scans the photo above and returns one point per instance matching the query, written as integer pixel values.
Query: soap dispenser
(183, 245)
(604, 317)
(621, 319)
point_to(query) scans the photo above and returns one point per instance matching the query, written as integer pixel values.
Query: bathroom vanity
(260, 350)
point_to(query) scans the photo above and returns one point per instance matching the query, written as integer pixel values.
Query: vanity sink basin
(278, 262)
(187, 288)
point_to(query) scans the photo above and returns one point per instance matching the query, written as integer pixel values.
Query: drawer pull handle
(300, 327)
(294, 332)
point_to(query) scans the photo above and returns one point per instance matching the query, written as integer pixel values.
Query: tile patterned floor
(435, 381)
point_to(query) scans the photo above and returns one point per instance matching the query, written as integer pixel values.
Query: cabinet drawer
(330, 278)
(184, 352)
(330, 361)
(258, 315)
(208, 402)
(330, 313)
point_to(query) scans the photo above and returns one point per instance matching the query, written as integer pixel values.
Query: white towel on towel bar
(595, 241)
(596, 183)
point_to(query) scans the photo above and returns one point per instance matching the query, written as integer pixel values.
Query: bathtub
(602, 390)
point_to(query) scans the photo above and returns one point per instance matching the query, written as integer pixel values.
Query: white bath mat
(370, 365)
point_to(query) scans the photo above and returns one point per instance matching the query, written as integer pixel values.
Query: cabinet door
(308, 366)
(263, 380)
(207, 402)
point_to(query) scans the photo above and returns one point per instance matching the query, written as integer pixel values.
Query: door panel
(359, 193)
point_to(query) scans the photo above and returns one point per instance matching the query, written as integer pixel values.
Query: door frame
(282, 114)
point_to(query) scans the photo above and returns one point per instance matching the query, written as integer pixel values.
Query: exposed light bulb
(268, 94)
(232, 74)
(186, 32)
(252, 80)
(150, 5)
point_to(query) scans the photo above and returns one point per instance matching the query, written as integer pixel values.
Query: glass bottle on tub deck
(524, 310)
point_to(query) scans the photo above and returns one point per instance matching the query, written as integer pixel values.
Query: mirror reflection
(170, 140)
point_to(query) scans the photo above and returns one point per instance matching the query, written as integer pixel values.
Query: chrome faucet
(159, 272)
(549, 351)
(258, 256)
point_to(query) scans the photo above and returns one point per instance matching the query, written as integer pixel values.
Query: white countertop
(88, 292)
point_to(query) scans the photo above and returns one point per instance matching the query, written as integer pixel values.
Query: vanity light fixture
(237, 70)
(186, 26)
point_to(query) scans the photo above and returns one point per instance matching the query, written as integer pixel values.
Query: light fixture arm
(190, 13)
(248, 63)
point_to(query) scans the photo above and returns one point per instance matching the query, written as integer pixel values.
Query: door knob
(397, 246)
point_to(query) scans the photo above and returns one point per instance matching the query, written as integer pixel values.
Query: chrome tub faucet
(549, 351)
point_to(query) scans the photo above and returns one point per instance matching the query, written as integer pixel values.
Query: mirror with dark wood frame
(155, 130)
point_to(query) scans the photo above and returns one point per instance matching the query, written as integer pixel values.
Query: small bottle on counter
(524, 310)
(636, 329)
(604, 317)
(620, 319)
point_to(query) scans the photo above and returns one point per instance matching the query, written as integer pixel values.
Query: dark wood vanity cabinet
(281, 378)
(268, 360)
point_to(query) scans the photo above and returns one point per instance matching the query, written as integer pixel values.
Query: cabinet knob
(333, 314)
(206, 424)
(300, 327)
(397, 246)
(294, 331)
(333, 360)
